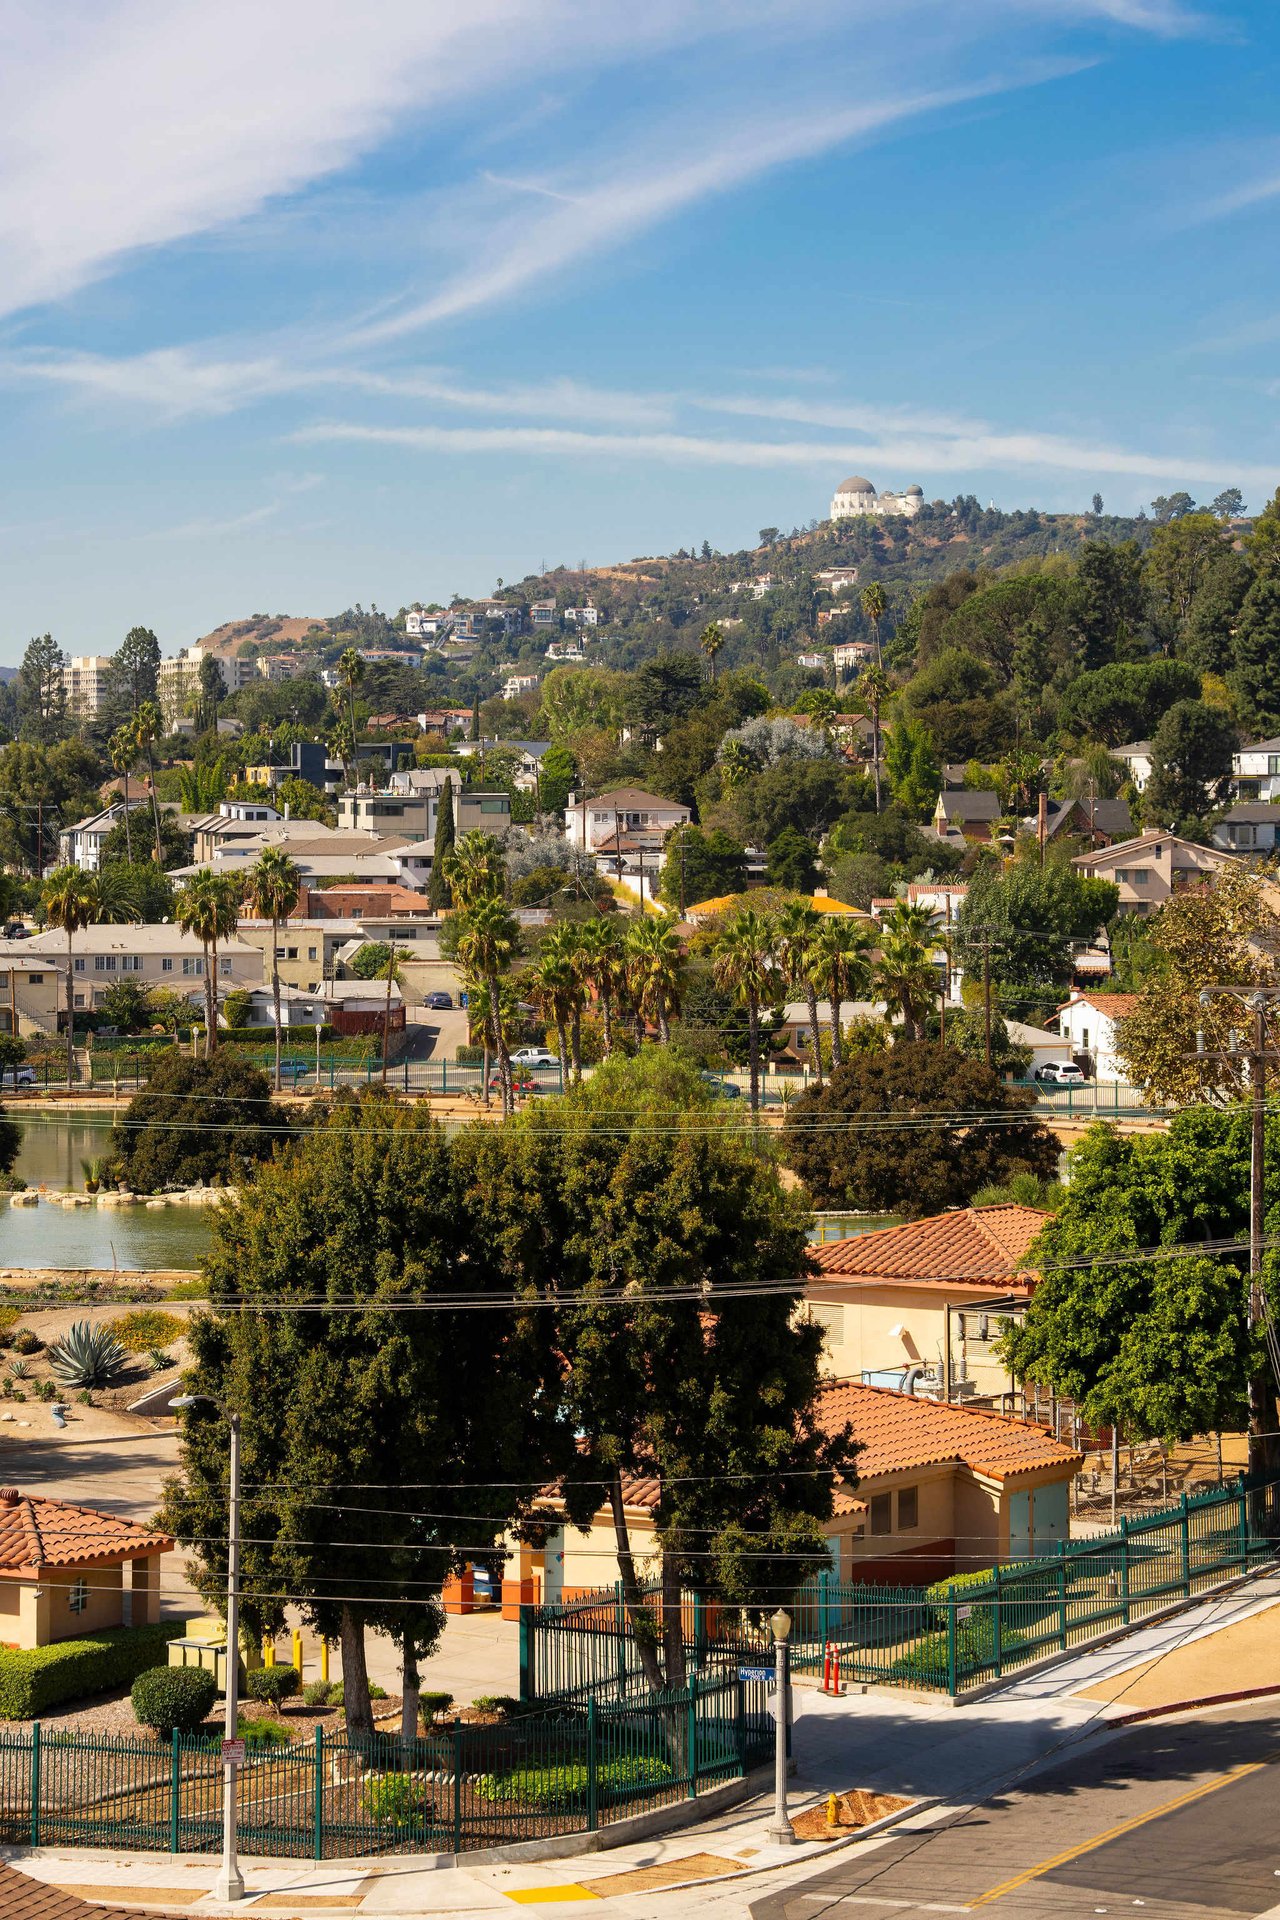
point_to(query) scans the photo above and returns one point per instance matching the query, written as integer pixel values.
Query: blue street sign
(756, 1673)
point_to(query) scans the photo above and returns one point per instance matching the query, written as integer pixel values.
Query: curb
(1189, 1706)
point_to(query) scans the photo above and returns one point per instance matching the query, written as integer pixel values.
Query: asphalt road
(1174, 1820)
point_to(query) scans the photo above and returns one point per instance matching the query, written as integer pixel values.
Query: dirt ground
(1244, 1655)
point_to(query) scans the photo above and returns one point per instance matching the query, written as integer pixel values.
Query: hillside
(260, 629)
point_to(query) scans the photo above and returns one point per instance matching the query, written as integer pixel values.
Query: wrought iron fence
(565, 1769)
(947, 1638)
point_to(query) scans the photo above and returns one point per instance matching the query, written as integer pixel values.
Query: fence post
(621, 1606)
(526, 1637)
(824, 1607)
(1243, 1500)
(593, 1809)
(995, 1626)
(406, 1073)
(1185, 1526)
(319, 1808)
(35, 1784)
(699, 1632)
(457, 1785)
(175, 1792)
(1062, 1595)
(951, 1642)
(693, 1737)
(1124, 1566)
(740, 1725)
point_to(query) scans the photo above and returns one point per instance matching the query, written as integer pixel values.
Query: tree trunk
(386, 1015)
(71, 1025)
(606, 1016)
(562, 1047)
(753, 1034)
(664, 1023)
(672, 1625)
(128, 831)
(275, 987)
(356, 1704)
(155, 804)
(637, 1613)
(409, 1671)
(813, 1029)
(210, 1001)
(577, 1046)
(837, 1044)
(875, 748)
(500, 1043)
(212, 1044)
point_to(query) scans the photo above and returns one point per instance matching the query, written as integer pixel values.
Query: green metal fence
(567, 1769)
(949, 1638)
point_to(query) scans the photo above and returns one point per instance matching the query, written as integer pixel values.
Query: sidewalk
(925, 1750)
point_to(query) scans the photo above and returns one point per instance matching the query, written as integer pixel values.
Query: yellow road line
(1115, 1833)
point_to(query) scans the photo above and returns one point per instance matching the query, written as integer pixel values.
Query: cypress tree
(475, 718)
(439, 892)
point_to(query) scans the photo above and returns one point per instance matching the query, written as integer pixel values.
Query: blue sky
(308, 304)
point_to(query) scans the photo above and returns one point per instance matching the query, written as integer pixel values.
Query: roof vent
(9, 1496)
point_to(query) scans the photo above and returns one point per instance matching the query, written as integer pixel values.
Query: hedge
(169, 1698)
(35, 1678)
(558, 1788)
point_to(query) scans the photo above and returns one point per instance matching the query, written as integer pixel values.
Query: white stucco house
(1088, 1020)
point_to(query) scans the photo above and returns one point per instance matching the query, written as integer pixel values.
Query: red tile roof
(975, 1246)
(896, 1433)
(24, 1898)
(1116, 1005)
(35, 1533)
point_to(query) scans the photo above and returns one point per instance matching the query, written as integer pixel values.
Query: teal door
(1017, 1506)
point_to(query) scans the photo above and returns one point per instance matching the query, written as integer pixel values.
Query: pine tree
(439, 891)
(1256, 679)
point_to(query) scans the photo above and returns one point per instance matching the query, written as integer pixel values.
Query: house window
(78, 1597)
(192, 964)
(908, 1509)
(166, 966)
(77, 966)
(79, 1000)
(104, 963)
(35, 979)
(311, 953)
(224, 965)
(1133, 876)
(882, 1513)
(131, 963)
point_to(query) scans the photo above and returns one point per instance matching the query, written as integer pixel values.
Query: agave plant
(19, 1370)
(87, 1356)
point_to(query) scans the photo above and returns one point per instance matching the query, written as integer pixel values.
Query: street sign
(756, 1673)
(964, 1613)
(233, 1753)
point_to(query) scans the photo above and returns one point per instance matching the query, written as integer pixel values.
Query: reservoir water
(134, 1239)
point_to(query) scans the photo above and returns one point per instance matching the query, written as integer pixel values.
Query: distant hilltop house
(856, 496)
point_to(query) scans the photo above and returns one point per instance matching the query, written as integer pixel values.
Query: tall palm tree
(874, 604)
(271, 890)
(711, 639)
(123, 749)
(389, 969)
(742, 961)
(148, 726)
(653, 957)
(796, 928)
(72, 902)
(553, 987)
(567, 942)
(209, 907)
(489, 942)
(905, 972)
(350, 674)
(476, 869)
(604, 964)
(873, 692)
(841, 959)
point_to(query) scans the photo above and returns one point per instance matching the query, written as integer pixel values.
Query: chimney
(9, 1496)
(286, 809)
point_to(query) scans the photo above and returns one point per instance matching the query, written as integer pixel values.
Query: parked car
(18, 1077)
(535, 1057)
(727, 1089)
(15, 930)
(1060, 1073)
(438, 1002)
(521, 1083)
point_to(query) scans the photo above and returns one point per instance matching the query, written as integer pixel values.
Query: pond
(132, 1238)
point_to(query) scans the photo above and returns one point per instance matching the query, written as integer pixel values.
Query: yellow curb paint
(1115, 1833)
(533, 1896)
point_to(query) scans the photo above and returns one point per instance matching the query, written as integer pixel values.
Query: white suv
(1060, 1073)
(535, 1057)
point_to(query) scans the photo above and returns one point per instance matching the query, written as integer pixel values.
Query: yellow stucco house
(62, 1570)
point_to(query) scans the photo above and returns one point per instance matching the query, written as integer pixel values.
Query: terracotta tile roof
(973, 1245)
(896, 1433)
(22, 1898)
(35, 1532)
(1117, 1006)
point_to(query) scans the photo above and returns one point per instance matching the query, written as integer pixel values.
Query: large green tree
(911, 1131)
(1190, 764)
(197, 1122)
(1031, 918)
(42, 698)
(1255, 673)
(700, 865)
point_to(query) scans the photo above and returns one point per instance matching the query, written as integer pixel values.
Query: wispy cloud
(219, 529)
(906, 454)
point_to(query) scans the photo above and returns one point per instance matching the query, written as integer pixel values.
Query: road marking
(1115, 1833)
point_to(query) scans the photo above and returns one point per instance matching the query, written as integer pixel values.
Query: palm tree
(603, 963)
(476, 869)
(209, 907)
(148, 725)
(874, 604)
(350, 674)
(123, 749)
(841, 958)
(797, 927)
(388, 969)
(271, 889)
(736, 765)
(905, 973)
(654, 957)
(873, 691)
(489, 942)
(71, 901)
(553, 987)
(567, 942)
(711, 639)
(742, 962)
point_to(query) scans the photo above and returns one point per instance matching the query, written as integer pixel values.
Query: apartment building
(33, 992)
(178, 680)
(411, 806)
(154, 956)
(86, 682)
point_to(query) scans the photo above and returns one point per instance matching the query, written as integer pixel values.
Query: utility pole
(986, 1000)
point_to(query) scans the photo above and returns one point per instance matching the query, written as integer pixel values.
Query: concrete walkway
(923, 1749)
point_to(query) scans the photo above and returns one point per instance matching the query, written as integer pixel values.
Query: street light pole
(230, 1882)
(780, 1829)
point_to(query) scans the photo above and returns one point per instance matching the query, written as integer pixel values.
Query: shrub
(146, 1327)
(319, 1693)
(194, 1288)
(19, 1370)
(926, 1662)
(197, 1121)
(173, 1698)
(504, 1703)
(87, 1356)
(398, 1798)
(262, 1733)
(555, 1789)
(273, 1684)
(430, 1704)
(9, 1318)
(34, 1678)
(25, 1341)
